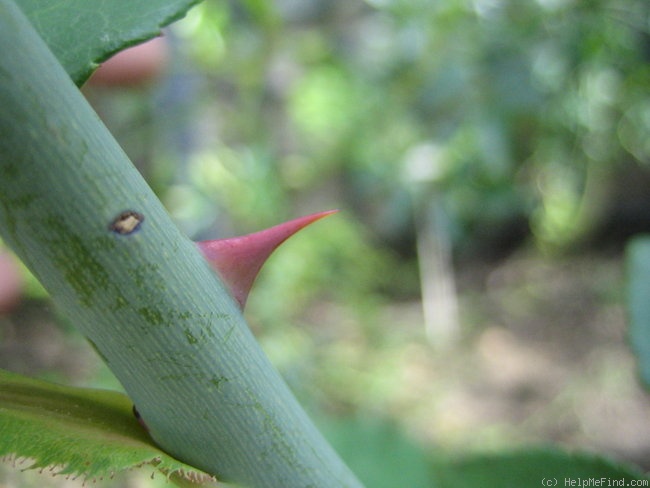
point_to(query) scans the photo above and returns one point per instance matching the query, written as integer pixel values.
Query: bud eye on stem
(126, 222)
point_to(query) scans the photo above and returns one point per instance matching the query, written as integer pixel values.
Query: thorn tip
(238, 260)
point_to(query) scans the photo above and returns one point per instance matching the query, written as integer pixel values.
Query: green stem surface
(145, 298)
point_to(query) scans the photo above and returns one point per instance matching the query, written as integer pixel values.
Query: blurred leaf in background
(537, 106)
(638, 302)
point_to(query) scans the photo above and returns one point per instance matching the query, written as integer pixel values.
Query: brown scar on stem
(127, 222)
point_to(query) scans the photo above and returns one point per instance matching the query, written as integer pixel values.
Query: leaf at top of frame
(84, 33)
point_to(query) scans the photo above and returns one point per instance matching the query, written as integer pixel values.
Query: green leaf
(84, 33)
(540, 467)
(78, 431)
(638, 302)
(388, 458)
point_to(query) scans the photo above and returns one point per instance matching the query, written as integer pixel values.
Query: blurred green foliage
(511, 111)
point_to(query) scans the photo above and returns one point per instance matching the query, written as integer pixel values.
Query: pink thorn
(238, 260)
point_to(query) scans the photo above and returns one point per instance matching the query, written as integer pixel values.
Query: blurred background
(490, 158)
